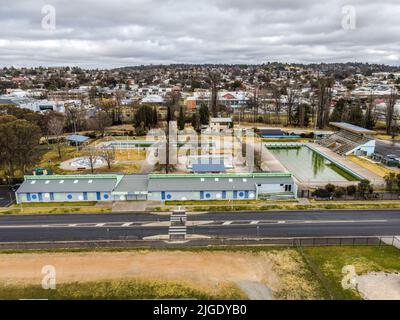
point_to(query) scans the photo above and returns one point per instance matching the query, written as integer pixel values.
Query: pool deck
(376, 180)
(270, 163)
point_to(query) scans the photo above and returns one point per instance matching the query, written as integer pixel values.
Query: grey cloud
(100, 33)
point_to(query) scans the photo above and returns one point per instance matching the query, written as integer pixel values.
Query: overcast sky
(112, 33)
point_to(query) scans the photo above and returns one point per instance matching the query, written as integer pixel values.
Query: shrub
(351, 190)
(339, 192)
(322, 193)
(330, 188)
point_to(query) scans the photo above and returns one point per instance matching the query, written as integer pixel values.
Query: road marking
(281, 222)
(100, 225)
(227, 223)
(127, 224)
(254, 222)
(72, 225)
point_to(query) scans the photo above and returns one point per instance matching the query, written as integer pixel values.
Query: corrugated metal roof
(213, 183)
(351, 127)
(132, 184)
(60, 184)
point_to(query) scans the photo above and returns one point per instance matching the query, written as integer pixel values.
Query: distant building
(220, 124)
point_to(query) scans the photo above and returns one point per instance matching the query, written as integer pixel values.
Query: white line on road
(227, 223)
(100, 225)
(254, 222)
(281, 222)
(72, 225)
(127, 224)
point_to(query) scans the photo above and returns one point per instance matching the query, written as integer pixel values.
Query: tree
(351, 190)
(102, 120)
(181, 119)
(196, 121)
(363, 187)
(214, 78)
(56, 128)
(324, 97)
(19, 140)
(391, 181)
(92, 154)
(339, 111)
(302, 114)
(330, 188)
(204, 114)
(293, 95)
(355, 115)
(390, 113)
(145, 118)
(109, 155)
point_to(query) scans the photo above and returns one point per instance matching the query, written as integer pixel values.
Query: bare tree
(277, 95)
(102, 120)
(293, 94)
(56, 128)
(109, 155)
(92, 154)
(215, 78)
(390, 112)
(324, 99)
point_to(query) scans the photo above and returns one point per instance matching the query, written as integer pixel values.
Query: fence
(137, 243)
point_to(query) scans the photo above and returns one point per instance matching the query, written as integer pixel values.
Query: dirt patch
(379, 286)
(277, 270)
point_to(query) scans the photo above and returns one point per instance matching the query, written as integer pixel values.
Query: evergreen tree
(181, 119)
(355, 115)
(204, 115)
(339, 111)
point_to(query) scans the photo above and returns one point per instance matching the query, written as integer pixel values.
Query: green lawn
(329, 262)
(120, 289)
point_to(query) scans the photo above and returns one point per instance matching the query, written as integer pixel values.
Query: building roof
(208, 167)
(131, 184)
(351, 127)
(69, 183)
(217, 120)
(76, 138)
(271, 132)
(214, 182)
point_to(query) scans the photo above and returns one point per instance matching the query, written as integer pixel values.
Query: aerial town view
(215, 150)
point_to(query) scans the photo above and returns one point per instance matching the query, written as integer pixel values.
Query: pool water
(309, 166)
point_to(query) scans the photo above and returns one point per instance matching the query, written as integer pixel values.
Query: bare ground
(379, 286)
(278, 270)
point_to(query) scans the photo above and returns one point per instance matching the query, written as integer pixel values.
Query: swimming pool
(310, 166)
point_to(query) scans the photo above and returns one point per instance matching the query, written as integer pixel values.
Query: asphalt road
(387, 147)
(81, 227)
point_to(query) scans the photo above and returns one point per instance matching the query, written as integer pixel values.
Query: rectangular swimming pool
(309, 166)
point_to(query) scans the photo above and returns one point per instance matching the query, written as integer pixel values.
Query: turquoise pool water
(308, 165)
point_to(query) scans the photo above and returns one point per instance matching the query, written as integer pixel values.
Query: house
(220, 124)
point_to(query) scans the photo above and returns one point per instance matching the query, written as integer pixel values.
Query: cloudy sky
(112, 33)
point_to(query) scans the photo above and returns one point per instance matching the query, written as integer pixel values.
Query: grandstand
(349, 139)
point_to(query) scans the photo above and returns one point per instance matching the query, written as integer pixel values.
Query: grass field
(329, 262)
(121, 289)
(291, 273)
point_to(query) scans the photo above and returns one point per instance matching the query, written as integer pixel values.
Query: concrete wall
(63, 197)
(203, 195)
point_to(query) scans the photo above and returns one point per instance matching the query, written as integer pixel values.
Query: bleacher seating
(343, 141)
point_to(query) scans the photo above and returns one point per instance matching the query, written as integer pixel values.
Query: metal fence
(137, 243)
